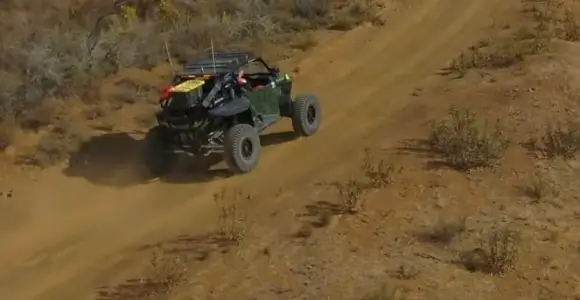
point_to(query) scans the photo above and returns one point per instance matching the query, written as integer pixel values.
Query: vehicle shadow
(111, 159)
(116, 160)
(277, 138)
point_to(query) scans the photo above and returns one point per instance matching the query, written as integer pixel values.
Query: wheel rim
(311, 115)
(247, 149)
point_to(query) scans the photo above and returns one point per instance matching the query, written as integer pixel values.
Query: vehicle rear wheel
(157, 158)
(306, 114)
(242, 148)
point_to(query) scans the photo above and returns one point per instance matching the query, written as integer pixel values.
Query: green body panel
(285, 83)
(265, 101)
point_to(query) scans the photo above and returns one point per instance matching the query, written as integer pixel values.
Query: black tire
(242, 148)
(156, 156)
(306, 114)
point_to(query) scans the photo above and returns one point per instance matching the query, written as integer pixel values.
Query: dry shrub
(548, 19)
(406, 271)
(43, 115)
(52, 62)
(57, 144)
(570, 26)
(130, 91)
(167, 271)
(381, 174)
(541, 187)
(497, 254)
(501, 52)
(445, 231)
(330, 14)
(556, 18)
(310, 9)
(355, 14)
(230, 221)
(560, 139)
(351, 194)
(7, 132)
(463, 144)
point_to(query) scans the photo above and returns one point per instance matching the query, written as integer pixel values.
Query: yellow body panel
(187, 86)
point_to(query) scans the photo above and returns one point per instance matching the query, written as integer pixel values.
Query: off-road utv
(221, 104)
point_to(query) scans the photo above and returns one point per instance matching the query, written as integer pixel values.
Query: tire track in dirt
(397, 54)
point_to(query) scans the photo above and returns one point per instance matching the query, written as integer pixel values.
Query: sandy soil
(64, 237)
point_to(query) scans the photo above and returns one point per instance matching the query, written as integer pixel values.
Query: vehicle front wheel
(242, 148)
(306, 114)
(157, 158)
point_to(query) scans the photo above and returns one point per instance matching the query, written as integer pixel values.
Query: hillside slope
(64, 236)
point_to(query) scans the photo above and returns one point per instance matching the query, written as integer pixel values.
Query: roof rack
(219, 64)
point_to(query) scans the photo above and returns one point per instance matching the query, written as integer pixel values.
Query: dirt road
(64, 236)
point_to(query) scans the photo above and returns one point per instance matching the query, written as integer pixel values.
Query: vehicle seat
(257, 81)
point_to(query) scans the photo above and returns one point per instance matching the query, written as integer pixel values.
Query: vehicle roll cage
(220, 64)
